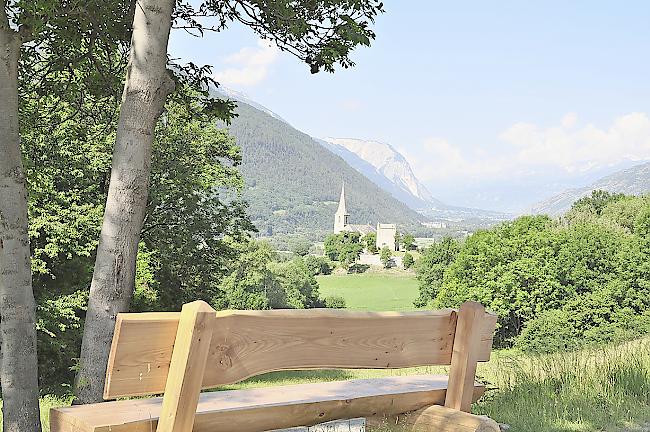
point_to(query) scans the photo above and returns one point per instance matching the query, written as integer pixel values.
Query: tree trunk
(147, 86)
(19, 375)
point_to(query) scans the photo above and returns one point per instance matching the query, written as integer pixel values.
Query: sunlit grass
(372, 291)
(605, 389)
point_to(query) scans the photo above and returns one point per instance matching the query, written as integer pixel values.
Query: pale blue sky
(495, 104)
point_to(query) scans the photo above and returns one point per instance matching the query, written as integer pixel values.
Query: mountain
(293, 183)
(385, 167)
(243, 97)
(631, 181)
(390, 170)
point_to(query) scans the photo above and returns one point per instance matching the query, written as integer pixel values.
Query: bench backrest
(247, 343)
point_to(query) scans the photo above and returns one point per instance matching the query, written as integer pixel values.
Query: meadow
(372, 291)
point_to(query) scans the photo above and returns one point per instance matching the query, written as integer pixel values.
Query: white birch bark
(18, 375)
(147, 86)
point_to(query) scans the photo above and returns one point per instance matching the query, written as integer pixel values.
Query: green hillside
(293, 183)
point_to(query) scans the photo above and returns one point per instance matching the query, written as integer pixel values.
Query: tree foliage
(408, 241)
(386, 256)
(259, 281)
(587, 275)
(193, 206)
(321, 34)
(344, 247)
(407, 261)
(431, 266)
(318, 265)
(370, 242)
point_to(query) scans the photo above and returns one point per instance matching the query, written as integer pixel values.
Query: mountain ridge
(292, 183)
(631, 181)
(393, 173)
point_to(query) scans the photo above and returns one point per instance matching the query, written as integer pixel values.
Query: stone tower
(341, 216)
(386, 236)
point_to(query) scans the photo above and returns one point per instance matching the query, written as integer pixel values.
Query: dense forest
(555, 284)
(292, 184)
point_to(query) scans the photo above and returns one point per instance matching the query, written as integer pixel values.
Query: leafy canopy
(587, 275)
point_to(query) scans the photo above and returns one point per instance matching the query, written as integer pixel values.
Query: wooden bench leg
(464, 357)
(188, 360)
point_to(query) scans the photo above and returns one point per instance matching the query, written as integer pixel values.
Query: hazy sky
(495, 104)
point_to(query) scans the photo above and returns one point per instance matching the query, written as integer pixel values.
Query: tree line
(102, 206)
(554, 284)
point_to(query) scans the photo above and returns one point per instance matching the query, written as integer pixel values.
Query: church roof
(363, 229)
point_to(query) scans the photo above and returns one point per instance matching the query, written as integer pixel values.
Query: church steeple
(342, 208)
(341, 216)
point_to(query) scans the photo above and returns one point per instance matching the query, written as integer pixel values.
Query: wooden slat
(465, 356)
(187, 367)
(267, 408)
(248, 343)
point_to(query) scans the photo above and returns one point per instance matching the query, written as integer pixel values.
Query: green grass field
(372, 291)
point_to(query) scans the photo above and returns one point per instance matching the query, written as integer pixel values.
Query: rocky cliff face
(386, 167)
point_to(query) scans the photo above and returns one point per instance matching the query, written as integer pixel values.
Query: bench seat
(260, 409)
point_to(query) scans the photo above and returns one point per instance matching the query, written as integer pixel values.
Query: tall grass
(606, 389)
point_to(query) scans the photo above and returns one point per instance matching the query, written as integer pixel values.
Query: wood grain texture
(465, 355)
(187, 367)
(440, 419)
(269, 408)
(248, 343)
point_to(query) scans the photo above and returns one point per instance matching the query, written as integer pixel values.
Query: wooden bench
(178, 354)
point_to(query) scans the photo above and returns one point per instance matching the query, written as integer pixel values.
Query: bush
(334, 302)
(358, 268)
(407, 261)
(299, 246)
(300, 287)
(386, 257)
(551, 331)
(370, 242)
(318, 265)
(581, 324)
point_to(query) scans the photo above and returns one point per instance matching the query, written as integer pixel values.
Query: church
(385, 232)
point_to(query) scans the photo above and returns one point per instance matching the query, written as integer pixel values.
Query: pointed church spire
(341, 216)
(342, 210)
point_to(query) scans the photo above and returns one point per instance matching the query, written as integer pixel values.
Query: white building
(386, 236)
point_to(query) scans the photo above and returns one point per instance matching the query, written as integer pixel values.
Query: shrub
(408, 241)
(334, 302)
(385, 255)
(299, 246)
(370, 242)
(407, 261)
(358, 268)
(300, 287)
(551, 331)
(318, 265)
